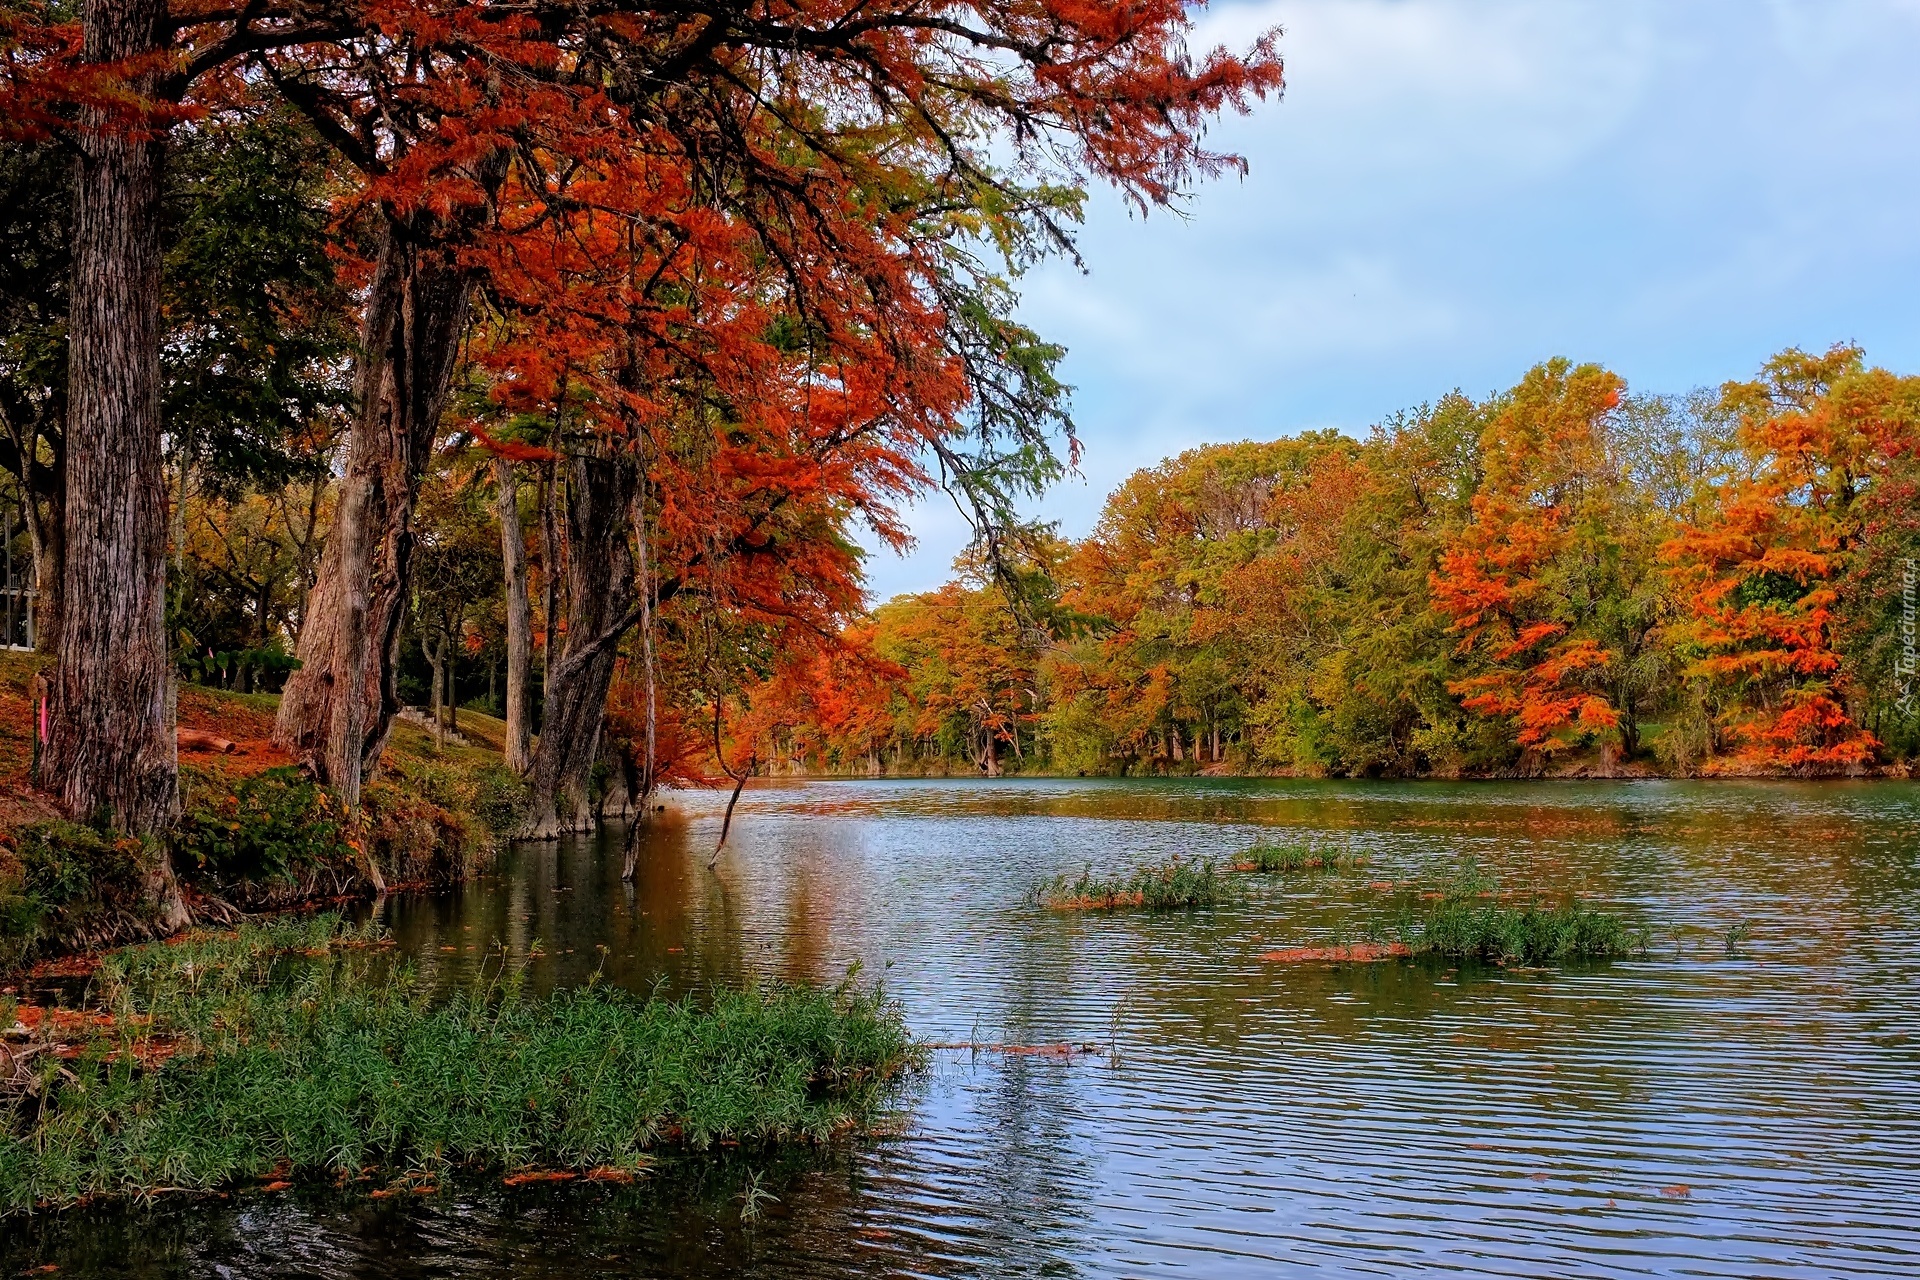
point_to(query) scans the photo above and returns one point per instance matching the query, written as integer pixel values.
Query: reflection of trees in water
(660, 931)
(1274, 1079)
(684, 1221)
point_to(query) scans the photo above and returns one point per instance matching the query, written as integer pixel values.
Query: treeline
(1564, 577)
(349, 350)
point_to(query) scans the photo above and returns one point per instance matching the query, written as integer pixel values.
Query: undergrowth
(266, 840)
(259, 1064)
(65, 880)
(274, 825)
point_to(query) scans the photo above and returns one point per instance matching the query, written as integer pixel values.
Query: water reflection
(1695, 1112)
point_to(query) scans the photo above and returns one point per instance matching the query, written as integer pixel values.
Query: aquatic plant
(1530, 934)
(1271, 858)
(1467, 920)
(1177, 884)
(228, 1058)
(752, 1196)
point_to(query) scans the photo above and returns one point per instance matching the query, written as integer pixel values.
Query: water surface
(1698, 1111)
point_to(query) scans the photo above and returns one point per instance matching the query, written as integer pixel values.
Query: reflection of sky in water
(1257, 1120)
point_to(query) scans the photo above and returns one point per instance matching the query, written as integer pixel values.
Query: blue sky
(1453, 190)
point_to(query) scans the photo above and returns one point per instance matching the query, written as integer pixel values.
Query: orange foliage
(1544, 459)
(1757, 572)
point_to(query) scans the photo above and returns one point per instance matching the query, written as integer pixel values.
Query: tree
(1761, 570)
(730, 123)
(460, 574)
(108, 87)
(35, 269)
(110, 745)
(1549, 584)
(519, 655)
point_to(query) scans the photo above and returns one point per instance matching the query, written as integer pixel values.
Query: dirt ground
(246, 720)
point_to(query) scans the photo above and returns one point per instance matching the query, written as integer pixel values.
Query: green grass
(338, 1062)
(1469, 922)
(1268, 858)
(1170, 886)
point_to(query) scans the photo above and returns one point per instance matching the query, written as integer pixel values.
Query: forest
(369, 356)
(552, 371)
(1563, 578)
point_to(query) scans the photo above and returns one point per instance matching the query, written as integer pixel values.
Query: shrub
(66, 882)
(432, 819)
(266, 828)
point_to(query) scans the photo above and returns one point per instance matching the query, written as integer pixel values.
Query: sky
(1451, 191)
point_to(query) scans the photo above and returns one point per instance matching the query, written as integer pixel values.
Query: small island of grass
(1272, 858)
(1174, 885)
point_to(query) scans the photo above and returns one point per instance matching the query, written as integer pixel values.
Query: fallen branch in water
(1358, 953)
(1061, 1050)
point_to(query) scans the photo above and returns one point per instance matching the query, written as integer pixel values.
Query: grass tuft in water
(1468, 922)
(1175, 885)
(227, 1058)
(1269, 858)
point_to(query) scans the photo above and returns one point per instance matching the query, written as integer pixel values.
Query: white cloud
(1452, 190)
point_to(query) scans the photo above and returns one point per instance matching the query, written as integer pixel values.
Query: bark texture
(338, 708)
(600, 493)
(111, 751)
(513, 555)
(48, 530)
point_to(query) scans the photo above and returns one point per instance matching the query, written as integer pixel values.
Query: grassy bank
(253, 833)
(1176, 885)
(298, 1051)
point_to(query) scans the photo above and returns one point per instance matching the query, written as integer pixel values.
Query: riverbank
(298, 1051)
(1588, 766)
(254, 834)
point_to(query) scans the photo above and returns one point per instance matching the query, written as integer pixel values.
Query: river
(1742, 1101)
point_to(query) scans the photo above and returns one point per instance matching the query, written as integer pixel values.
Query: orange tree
(440, 107)
(1762, 570)
(1549, 585)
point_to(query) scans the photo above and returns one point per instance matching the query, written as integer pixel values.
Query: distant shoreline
(1886, 773)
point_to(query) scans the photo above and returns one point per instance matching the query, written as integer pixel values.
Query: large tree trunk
(111, 752)
(513, 554)
(600, 594)
(416, 312)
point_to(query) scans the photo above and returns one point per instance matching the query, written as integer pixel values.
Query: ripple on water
(1694, 1112)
